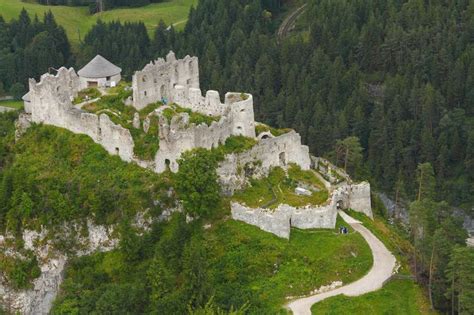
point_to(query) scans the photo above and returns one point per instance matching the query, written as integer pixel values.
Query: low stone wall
(4, 109)
(280, 220)
(275, 221)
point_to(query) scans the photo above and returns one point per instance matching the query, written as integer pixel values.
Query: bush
(196, 181)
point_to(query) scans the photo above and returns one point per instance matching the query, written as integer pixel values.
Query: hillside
(77, 21)
(158, 195)
(170, 265)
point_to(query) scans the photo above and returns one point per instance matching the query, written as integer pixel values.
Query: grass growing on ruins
(259, 128)
(112, 104)
(279, 188)
(86, 94)
(396, 297)
(237, 144)
(77, 21)
(194, 117)
(12, 104)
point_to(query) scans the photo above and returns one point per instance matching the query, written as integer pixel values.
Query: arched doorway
(282, 157)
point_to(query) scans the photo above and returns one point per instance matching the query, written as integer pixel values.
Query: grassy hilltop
(77, 21)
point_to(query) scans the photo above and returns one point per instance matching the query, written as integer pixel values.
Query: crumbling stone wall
(267, 153)
(238, 106)
(179, 136)
(280, 220)
(360, 199)
(50, 102)
(159, 78)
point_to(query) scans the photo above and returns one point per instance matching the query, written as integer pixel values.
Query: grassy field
(12, 104)
(397, 296)
(77, 21)
(310, 259)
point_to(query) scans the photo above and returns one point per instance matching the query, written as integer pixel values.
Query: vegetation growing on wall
(35, 192)
(194, 117)
(112, 104)
(259, 128)
(279, 188)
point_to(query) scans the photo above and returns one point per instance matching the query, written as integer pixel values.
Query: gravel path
(384, 263)
(289, 22)
(6, 109)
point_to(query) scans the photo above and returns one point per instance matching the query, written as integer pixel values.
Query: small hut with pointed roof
(99, 72)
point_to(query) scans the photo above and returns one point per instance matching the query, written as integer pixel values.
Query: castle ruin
(176, 81)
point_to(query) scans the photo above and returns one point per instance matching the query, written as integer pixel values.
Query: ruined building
(176, 81)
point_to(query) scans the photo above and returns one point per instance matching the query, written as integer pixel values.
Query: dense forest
(393, 79)
(29, 48)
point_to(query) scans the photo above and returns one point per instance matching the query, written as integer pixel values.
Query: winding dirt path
(384, 263)
(289, 22)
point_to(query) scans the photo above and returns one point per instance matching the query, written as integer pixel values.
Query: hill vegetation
(176, 265)
(388, 80)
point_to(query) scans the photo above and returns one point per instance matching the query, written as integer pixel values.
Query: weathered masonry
(176, 81)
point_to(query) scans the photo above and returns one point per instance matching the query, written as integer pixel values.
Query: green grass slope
(12, 104)
(77, 21)
(398, 296)
(244, 266)
(52, 176)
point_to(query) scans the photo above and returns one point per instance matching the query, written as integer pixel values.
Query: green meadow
(77, 21)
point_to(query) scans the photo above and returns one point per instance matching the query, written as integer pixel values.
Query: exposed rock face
(136, 121)
(39, 299)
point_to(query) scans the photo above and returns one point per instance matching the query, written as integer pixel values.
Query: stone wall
(239, 106)
(267, 153)
(280, 220)
(51, 103)
(159, 78)
(179, 136)
(360, 199)
(101, 82)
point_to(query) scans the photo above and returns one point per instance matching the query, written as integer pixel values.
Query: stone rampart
(158, 79)
(267, 153)
(179, 136)
(360, 199)
(51, 103)
(280, 220)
